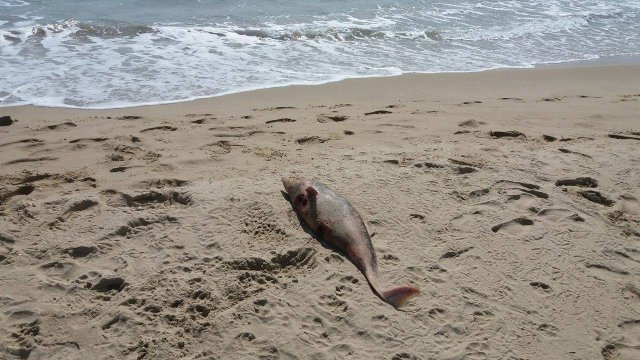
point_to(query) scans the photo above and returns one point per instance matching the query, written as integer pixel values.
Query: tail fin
(400, 295)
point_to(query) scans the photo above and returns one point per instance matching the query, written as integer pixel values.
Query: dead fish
(335, 220)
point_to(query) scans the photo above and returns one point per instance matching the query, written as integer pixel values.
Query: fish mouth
(290, 183)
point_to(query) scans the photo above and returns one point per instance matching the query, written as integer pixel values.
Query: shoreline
(448, 85)
(614, 60)
(509, 197)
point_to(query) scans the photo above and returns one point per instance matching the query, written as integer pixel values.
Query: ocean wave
(13, 3)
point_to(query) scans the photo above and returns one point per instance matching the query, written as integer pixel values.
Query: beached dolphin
(334, 219)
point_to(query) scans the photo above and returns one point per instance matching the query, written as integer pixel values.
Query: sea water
(109, 53)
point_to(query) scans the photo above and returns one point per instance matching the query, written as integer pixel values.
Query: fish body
(337, 222)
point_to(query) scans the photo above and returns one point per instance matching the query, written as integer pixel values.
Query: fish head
(302, 194)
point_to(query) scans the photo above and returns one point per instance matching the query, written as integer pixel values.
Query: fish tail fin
(396, 297)
(400, 295)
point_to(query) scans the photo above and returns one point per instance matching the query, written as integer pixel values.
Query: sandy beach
(509, 197)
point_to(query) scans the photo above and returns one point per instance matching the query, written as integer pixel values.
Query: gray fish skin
(336, 221)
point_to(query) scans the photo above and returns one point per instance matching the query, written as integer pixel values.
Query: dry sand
(161, 232)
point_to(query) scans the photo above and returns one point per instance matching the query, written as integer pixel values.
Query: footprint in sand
(30, 160)
(95, 281)
(162, 128)
(559, 214)
(623, 137)
(322, 118)
(579, 181)
(205, 120)
(81, 251)
(501, 134)
(62, 126)
(539, 285)
(6, 120)
(5, 194)
(471, 102)
(378, 112)
(25, 141)
(281, 120)
(596, 197)
(471, 123)
(306, 140)
(513, 227)
(567, 151)
(83, 140)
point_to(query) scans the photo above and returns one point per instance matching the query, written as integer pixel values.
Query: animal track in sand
(163, 128)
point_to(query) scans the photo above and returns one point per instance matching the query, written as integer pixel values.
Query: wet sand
(509, 197)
